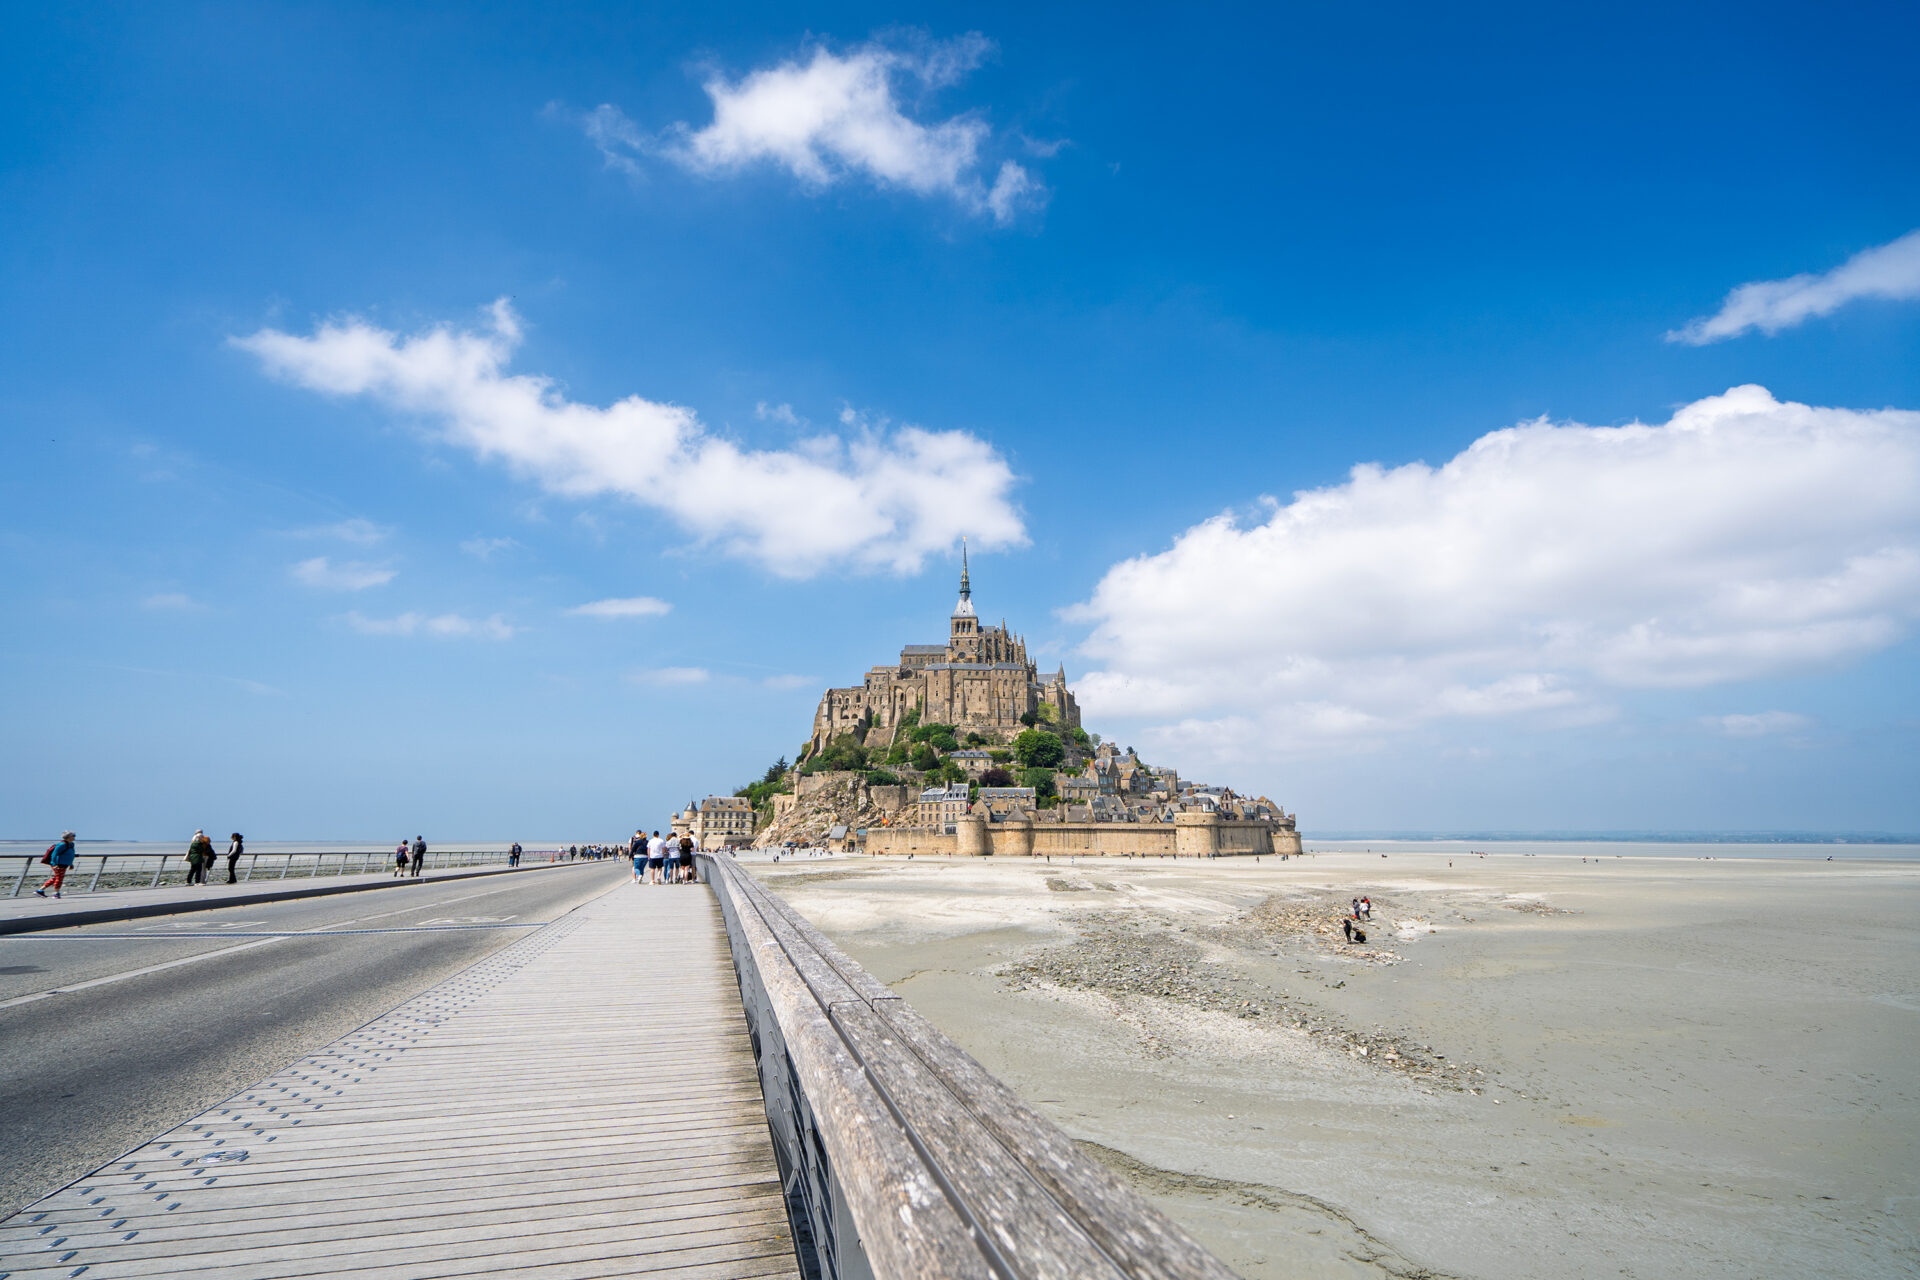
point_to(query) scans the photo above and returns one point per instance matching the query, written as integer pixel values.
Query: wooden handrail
(937, 1167)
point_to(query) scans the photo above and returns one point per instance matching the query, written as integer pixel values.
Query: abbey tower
(979, 681)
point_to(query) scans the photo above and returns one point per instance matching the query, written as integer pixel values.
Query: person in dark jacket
(59, 856)
(234, 850)
(419, 855)
(199, 858)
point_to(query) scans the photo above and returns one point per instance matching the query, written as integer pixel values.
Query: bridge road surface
(88, 1074)
(583, 1102)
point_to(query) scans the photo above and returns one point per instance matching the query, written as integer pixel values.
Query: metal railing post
(253, 860)
(159, 871)
(95, 882)
(287, 868)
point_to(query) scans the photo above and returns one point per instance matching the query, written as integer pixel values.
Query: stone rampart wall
(1109, 839)
(905, 840)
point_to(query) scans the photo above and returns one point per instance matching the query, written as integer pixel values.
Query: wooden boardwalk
(583, 1103)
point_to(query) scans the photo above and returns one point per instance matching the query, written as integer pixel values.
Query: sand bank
(1537, 1066)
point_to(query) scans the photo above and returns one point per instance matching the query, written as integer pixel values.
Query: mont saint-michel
(966, 748)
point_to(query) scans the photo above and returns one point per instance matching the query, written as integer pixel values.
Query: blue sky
(349, 353)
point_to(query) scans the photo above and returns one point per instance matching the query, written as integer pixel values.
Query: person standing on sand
(234, 850)
(199, 858)
(59, 856)
(419, 855)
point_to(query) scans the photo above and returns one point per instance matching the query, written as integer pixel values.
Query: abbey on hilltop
(979, 681)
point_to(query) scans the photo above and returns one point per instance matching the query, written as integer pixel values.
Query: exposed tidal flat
(1654, 1066)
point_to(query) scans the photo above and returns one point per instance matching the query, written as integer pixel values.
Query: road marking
(428, 924)
(188, 924)
(136, 973)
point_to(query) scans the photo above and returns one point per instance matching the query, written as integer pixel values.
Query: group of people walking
(410, 859)
(661, 859)
(201, 858)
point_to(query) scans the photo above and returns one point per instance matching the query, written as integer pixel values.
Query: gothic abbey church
(979, 681)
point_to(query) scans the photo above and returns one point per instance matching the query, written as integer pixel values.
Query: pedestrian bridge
(669, 1080)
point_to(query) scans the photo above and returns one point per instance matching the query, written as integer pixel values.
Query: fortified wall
(1189, 835)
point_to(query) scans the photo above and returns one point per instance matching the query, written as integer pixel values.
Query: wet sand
(1535, 1067)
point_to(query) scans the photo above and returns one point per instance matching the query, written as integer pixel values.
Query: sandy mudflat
(1684, 1068)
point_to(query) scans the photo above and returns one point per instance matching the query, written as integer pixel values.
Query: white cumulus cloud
(484, 548)
(630, 607)
(671, 676)
(828, 116)
(1890, 271)
(445, 626)
(1757, 725)
(872, 499)
(350, 575)
(1541, 569)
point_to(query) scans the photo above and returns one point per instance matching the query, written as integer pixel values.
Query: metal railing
(97, 872)
(900, 1155)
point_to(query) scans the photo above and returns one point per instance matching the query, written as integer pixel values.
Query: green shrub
(1038, 750)
(1041, 780)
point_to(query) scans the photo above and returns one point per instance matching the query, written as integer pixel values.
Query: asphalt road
(87, 1074)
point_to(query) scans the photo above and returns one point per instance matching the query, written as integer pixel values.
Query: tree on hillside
(1038, 750)
(1041, 780)
(776, 770)
(925, 757)
(996, 777)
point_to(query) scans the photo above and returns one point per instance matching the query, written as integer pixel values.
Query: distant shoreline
(1624, 837)
(1609, 849)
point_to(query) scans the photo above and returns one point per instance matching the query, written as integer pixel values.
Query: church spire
(964, 609)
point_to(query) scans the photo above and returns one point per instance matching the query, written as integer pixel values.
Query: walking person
(673, 860)
(234, 850)
(686, 859)
(419, 855)
(59, 856)
(199, 858)
(400, 860)
(656, 859)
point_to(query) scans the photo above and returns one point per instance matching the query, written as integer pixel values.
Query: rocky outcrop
(826, 800)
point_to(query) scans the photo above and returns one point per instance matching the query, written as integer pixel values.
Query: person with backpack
(199, 858)
(419, 855)
(59, 856)
(400, 860)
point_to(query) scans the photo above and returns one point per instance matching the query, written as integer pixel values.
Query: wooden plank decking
(583, 1103)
